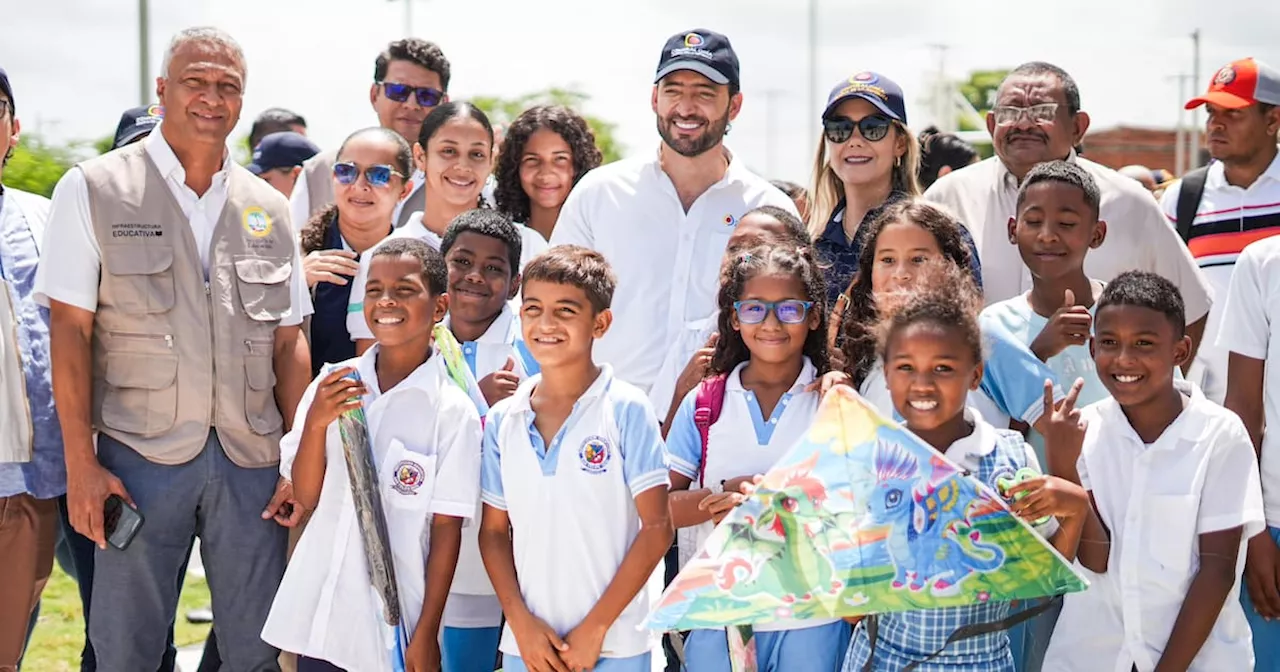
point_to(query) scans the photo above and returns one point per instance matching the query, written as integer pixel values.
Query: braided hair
(731, 350)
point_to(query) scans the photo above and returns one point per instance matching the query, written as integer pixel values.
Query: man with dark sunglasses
(1037, 118)
(410, 78)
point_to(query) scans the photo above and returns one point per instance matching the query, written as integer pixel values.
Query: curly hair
(858, 334)
(1146, 290)
(509, 193)
(417, 51)
(731, 350)
(434, 273)
(948, 297)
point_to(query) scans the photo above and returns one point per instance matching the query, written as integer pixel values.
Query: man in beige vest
(175, 305)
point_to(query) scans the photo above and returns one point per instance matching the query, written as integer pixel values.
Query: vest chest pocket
(138, 277)
(260, 407)
(263, 284)
(141, 395)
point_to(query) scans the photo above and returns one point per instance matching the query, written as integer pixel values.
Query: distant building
(1126, 145)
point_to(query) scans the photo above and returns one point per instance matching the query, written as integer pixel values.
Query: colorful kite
(860, 517)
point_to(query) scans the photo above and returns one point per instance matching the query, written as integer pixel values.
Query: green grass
(59, 634)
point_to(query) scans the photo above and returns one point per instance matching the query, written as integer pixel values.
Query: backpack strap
(706, 410)
(962, 633)
(1189, 194)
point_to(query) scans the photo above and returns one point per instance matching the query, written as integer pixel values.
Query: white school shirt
(691, 339)
(572, 503)
(472, 600)
(71, 263)
(985, 195)
(667, 260)
(1227, 219)
(1199, 476)
(1251, 308)
(741, 442)
(531, 245)
(425, 439)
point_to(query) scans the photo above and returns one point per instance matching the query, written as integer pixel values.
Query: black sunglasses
(873, 128)
(426, 96)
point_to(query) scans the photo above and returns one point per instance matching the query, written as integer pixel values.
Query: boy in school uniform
(1250, 334)
(425, 435)
(1174, 480)
(576, 446)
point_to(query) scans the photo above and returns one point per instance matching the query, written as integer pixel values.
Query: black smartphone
(121, 522)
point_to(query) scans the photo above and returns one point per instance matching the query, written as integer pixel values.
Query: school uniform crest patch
(408, 477)
(594, 455)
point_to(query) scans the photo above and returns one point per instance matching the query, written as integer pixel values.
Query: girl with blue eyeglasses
(772, 345)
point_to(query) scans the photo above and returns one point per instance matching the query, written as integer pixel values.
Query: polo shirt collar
(425, 378)
(1217, 175)
(1190, 424)
(834, 233)
(737, 172)
(499, 332)
(980, 442)
(166, 161)
(521, 400)
(808, 373)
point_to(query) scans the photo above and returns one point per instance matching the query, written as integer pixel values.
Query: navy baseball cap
(284, 149)
(135, 123)
(6, 88)
(705, 52)
(873, 88)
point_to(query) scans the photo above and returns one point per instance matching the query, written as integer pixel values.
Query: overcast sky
(74, 63)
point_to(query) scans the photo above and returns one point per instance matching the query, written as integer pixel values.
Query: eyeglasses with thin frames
(1008, 115)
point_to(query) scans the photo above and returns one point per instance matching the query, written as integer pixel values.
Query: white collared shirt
(531, 245)
(425, 437)
(667, 260)
(572, 503)
(1227, 219)
(1200, 476)
(984, 197)
(72, 262)
(1251, 327)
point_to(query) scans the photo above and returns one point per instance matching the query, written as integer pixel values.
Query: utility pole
(770, 130)
(1193, 136)
(1180, 140)
(408, 17)
(145, 87)
(813, 62)
(943, 110)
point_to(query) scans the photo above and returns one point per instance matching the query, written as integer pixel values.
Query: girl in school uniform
(546, 150)
(425, 437)
(370, 177)
(455, 153)
(931, 350)
(771, 347)
(906, 237)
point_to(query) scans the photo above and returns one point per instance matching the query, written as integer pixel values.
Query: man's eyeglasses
(426, 96)
(874, 128)
(791, 311)
(1008, 115)
(377, 176)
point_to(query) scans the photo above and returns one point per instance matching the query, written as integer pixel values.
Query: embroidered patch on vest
(257, 222)
(408, 477)
(594, 455)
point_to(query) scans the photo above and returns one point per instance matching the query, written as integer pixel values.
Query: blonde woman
(867, 159)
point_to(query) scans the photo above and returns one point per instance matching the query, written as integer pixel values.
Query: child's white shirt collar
(808, 373)
(521, 401)
(425, 378)
(505, 328)
(1189, 425)
(968, 451)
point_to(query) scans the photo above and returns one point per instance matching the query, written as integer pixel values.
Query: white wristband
(716, 487)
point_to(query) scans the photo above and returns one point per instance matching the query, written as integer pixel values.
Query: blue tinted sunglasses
(790, 311)
(426, 96)
(377, 176)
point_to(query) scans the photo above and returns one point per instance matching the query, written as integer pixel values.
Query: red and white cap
(1241, 84)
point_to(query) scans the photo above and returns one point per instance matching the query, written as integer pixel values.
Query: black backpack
(1189, 200)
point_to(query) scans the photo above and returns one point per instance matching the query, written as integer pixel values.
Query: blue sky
(74, 67)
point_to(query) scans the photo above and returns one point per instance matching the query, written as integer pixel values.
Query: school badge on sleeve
(409, 477)
(594, 455)
(256, 221)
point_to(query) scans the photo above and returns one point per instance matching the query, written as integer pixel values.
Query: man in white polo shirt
(663, 221)
(1037, 118)
(1235, 200)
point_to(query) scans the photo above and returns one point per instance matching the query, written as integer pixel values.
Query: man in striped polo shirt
(1239, 198)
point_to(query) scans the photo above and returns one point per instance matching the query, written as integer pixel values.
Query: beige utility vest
(174, 354)
(318, 173)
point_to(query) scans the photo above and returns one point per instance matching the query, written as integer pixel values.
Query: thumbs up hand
(1069, 325)
(501, 383)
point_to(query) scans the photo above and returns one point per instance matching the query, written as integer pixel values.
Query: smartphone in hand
(121, 522)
